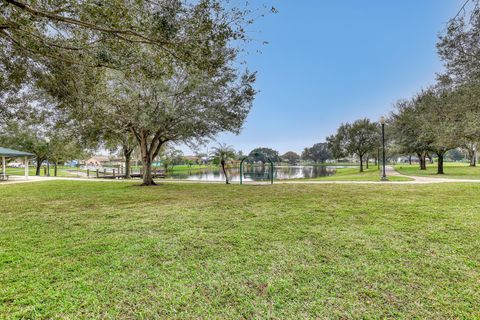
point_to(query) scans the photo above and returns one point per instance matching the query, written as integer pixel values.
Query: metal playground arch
(268, 176)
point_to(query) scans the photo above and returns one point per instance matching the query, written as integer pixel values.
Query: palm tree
(222, 154)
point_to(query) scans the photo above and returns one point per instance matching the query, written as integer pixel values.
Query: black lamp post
(47, 139)
(382, 122)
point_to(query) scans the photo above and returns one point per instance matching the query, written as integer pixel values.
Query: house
(97, 161)
(413, 159)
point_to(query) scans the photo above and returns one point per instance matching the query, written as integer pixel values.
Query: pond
(256, 173)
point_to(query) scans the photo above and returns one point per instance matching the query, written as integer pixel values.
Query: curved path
(390, 171)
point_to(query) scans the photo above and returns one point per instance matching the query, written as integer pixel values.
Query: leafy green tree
(124, 141)
(358, 138)
(81, 32)
(458, 45)
(263, 154)
(336, 143)
(164, 71)
(170, 157)
(458, 48)
(455, 155)
(439, 122)
(26, 137)
(319, 152)
(405, 128)
(222, 154)
(63, 147)
(240, 155)
(291, 157)
(463, 101)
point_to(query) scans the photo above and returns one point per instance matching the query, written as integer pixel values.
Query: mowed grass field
(453, 170)
(113, 250)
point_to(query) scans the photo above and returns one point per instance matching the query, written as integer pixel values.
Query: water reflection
(255, 173)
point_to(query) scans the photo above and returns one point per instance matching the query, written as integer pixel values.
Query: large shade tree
(358, 138)
(459, 46)
(174, 78)
(264, 154)
(405, 129)
(185, 107)
(291, 157)
(27, 137)
(438, 123)
(319, 152)
(459, 49)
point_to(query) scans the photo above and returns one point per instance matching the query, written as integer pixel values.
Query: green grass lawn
(62, 171)
(335, 164)
(453, 170)
(111, 250)
(191, 168)
(354, 174)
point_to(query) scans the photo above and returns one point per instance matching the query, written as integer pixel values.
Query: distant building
(101, 161)
(97, 161)
(413, 159)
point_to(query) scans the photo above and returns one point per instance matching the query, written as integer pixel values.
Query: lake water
(257, 173)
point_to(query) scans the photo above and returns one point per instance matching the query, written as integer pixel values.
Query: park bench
(3, 177)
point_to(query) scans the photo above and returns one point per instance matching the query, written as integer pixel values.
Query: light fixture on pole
(47, 140)
(382, 122)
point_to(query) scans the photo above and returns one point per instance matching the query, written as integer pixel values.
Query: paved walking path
(390, 171)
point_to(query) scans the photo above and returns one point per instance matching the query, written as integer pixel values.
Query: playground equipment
(263, 174)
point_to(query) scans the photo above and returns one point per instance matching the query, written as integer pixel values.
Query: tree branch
(56, 17)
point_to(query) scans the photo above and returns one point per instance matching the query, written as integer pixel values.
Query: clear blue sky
(334, 61)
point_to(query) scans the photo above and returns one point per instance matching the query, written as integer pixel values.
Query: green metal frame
(241, 169)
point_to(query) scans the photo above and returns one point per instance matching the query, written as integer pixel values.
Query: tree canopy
(264, 154)
(291, 157)
(319, 152)
(358, 138)
(157, 71)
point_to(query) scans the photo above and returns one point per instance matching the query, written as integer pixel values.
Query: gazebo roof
(6, 152)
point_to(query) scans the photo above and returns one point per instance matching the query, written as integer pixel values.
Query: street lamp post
(47, 139)
(382, 122)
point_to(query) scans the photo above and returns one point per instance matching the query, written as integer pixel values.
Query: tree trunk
(361, 163)
(378, 158)
(422, 160)
(473, 158)
(440, 164)
(410, 160)
(147, 172)
(224, 171)
(55, 169)
(149, 151)
(147, 156)
(38, 167)
(128, 155)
